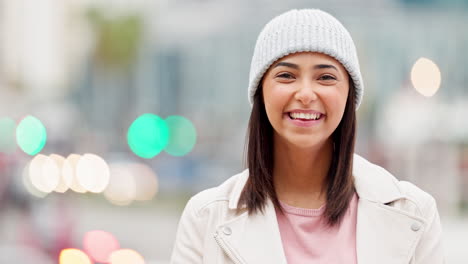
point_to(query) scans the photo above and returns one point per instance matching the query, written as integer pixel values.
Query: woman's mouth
(304, 119)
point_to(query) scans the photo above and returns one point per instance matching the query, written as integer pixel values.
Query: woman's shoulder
(219, 195)
(422, 201)
(376, 183)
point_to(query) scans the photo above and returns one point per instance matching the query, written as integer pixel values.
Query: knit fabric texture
(304, 30)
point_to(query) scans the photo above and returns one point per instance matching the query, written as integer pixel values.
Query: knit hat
(304, 30)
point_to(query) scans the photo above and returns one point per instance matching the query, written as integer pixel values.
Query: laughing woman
(306, 197)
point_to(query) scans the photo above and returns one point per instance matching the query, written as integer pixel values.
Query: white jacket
(397, 223)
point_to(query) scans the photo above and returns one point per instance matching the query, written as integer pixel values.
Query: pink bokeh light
(99, 245)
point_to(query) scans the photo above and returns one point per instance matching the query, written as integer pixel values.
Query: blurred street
(113, 113)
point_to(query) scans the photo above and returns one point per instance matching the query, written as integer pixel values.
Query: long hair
(339, 182)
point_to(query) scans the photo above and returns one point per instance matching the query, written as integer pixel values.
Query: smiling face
(312, 83)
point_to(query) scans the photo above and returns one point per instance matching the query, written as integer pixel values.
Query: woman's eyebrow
(295, 66)
(286, 64)
(325, 66)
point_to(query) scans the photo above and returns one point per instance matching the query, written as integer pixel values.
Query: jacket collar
(372, 183)
(383, 234)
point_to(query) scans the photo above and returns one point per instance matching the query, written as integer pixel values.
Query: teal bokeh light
(31, 135)
(182, 135)
(7, 135)
(148, 135)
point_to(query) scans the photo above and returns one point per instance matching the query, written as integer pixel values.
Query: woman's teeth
(304, 116)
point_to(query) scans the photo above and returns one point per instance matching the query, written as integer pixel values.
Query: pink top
(306, 238)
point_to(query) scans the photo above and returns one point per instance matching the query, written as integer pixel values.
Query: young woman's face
(308, 82)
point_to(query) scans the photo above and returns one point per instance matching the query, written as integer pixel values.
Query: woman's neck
(300, 174)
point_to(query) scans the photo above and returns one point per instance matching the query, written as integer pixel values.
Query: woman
(305, 196)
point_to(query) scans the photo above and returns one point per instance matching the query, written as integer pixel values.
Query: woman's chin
(305, 143)
(301, 141)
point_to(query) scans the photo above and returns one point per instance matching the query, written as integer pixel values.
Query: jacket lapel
(384, 234)
(255, 238)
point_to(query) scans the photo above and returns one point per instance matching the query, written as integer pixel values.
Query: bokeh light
(182, 135)
(69, 173)
(73, 256)
(44, 173)
(425, 76)
(92, 173)
(31, 135)
(59, 160)
(148, 135)
(126, 256)
(99, 245)
(28, 185)
(131, 182)
(7, 135)
(146, 181)
(122, 187)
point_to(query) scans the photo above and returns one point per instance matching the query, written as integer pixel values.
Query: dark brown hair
(339, 184)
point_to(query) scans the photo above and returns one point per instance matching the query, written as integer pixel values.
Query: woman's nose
(306, 92)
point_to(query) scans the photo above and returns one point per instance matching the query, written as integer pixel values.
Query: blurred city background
(114, 112)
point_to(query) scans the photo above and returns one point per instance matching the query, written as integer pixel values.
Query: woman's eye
(327, 77)
(285, 75)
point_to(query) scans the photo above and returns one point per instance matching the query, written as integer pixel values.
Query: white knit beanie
(304, 30)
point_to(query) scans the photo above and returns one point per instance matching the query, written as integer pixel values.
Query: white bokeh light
(126, 256)
(44, 173)
(59, 160)
(69, 173)
(122, 187)
(28, 185)
(146, 181)
(131, 182)
(92, 173)
(425, 77)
